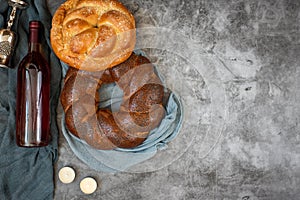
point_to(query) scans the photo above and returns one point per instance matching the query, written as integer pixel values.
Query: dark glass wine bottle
(33, 94)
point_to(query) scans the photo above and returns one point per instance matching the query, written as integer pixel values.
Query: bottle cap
(35, 24)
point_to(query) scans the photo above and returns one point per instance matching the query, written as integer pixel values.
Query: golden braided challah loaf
(92, 35)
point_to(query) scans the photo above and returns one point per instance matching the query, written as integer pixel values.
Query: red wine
(33, 94)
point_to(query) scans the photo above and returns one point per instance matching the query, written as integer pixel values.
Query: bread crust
(92, 35)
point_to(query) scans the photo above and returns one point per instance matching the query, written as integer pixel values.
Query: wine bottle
(33, 94)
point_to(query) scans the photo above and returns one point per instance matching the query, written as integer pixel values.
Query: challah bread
(141, 109)
(92, 35)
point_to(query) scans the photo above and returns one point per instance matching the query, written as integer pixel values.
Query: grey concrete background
(257, 155)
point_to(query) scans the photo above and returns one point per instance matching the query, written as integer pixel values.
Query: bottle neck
(34, 40)
(34, 47)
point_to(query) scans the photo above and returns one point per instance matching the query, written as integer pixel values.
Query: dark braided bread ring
(141, 109)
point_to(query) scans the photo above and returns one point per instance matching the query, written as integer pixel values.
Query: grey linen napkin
(26, 173)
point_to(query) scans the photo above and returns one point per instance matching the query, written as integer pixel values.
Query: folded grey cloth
(122, 159)
(26, 173)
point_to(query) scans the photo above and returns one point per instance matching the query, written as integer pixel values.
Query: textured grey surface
(256, 48)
